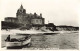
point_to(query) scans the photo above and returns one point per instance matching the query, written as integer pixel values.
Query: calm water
(56, 41)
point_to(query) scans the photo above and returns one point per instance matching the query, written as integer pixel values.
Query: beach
(61, 40)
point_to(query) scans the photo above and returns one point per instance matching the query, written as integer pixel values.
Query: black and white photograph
(39, 24)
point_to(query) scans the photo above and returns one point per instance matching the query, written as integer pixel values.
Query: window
(36, 21)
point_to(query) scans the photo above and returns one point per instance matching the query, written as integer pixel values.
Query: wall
(11, 19)
(37, 21)
(24, 19)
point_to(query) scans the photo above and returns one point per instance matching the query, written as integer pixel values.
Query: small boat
(19, 43)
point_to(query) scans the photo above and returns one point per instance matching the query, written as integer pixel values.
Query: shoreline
(16, 31)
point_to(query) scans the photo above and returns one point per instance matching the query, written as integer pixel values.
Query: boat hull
(17, 45)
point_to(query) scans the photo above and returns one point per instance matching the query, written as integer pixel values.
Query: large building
(24, 18)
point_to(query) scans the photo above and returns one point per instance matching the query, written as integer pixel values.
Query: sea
(60, 40)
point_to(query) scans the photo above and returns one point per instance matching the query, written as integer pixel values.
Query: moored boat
(19, 43)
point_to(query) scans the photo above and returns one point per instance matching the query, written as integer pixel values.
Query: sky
(59, 12)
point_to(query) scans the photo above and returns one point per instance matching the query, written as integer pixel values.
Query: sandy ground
(69, 41)
(62, 40)
(13, 31)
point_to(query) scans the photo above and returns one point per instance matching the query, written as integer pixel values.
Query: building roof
(10, 18)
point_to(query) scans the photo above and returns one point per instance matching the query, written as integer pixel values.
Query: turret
(35, 15)
(21, 11)
(40, 14)
(21, 7)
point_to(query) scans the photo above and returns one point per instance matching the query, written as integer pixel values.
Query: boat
(18, 43)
